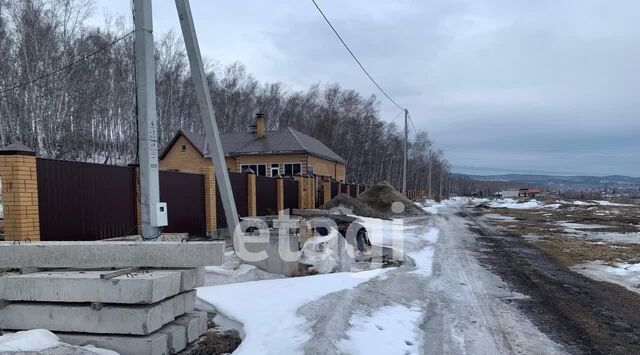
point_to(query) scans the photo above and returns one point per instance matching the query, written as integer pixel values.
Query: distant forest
(87, 113)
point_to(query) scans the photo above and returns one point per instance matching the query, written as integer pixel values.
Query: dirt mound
(344, 201)
(380, 197)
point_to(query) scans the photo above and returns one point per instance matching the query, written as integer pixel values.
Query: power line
(395, 118)
(81, 59)
(414, 127)
(354, 56)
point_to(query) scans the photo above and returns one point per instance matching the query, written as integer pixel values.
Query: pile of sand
(347, 204)
(381, 198)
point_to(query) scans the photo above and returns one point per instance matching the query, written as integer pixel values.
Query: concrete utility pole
(147, 120)
(404, 160)
(199, 79)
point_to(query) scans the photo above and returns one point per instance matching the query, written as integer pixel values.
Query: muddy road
(584, 315)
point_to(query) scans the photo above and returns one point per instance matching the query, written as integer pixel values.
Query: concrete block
(86, 286)
(176, 337)
(110, 319)
(110, 254)
(152, 344)
(274, 263)
(191, 321)
(192, 278)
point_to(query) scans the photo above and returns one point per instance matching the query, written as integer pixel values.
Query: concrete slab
(86, 286)
(110, 319)
(110, 254)
(176, 337)
(192, 321)
(152, 344)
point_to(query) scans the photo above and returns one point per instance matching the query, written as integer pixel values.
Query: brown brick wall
(328, 168)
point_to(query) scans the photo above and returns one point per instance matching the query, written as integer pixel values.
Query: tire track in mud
(584, 315)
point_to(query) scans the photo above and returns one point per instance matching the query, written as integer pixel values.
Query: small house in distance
(285, 152)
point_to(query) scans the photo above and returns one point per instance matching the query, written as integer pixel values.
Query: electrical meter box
(159, 215)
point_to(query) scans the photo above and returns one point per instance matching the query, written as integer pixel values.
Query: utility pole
(147, 120)
(429, 174)
(404, 161)
(199, 78)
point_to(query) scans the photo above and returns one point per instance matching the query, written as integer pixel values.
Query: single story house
(285, 152)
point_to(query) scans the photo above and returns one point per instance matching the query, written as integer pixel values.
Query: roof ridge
(295, 136)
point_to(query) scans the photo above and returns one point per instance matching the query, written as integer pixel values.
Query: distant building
(529, 192)
(507, 194)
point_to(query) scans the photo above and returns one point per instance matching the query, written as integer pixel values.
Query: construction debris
(346, 204)
(384, 199)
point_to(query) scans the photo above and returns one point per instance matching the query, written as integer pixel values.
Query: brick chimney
(260, 126)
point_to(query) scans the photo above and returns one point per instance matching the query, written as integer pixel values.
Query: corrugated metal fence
(80, 201)
(266, 196)
(184, 195)
(290, 193)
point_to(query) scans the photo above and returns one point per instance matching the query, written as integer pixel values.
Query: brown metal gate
(290, 193)
(334, 189)
(240, 196)
(82, 201)
(266, 196)
(184, 195)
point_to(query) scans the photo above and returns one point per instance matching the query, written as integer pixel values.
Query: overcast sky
(502, 86)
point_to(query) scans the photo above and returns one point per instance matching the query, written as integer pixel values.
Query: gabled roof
(286, 141)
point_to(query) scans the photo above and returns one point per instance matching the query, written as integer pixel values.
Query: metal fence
(240, 196)
(290, 193)
(81, 201)
(184, 195)
(266, 196)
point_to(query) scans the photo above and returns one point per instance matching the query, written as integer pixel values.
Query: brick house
(285, 152)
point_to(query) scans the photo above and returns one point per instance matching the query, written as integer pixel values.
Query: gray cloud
(516, 85)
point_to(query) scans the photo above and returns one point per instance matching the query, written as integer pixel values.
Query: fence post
(349, 189)
(301, 190)
(279, 194)
(210, 198)
(326, 190)
(357, 190)
(19, 179)
(313, 191)
(252, 209)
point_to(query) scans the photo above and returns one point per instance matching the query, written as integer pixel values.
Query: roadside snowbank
(268, 309)
(389, 330)
(623, 274)
(40, 340)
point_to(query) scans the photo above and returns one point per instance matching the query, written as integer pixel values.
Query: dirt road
(465, 309)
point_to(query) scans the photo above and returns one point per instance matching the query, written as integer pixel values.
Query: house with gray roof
(284, 152)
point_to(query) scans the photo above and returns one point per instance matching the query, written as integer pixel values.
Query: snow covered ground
(43, 342)
(623, 274)
(515, 204)
(389, 330)
(268, 309)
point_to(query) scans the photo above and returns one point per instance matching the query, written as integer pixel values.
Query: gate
(240, 196)
(83, 201)
(266, 196)
(184, 195)
(290, 193)
(334, 189)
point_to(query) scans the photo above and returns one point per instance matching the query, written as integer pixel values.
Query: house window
(259, 169)
(183, 148)
(292, 168)
(275, 169)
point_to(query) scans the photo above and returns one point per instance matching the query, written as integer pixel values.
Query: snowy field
(623, 274)
(43, 342)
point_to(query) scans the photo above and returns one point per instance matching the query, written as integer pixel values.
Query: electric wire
(356, 58)
(79, 60)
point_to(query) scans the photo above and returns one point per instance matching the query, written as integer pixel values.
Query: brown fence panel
(290, 193)
(266, 196)
(82, 201)
(343, 188)
(353, 190)
(240, 196)
(184, 195)
(362, 188)
(334, 189)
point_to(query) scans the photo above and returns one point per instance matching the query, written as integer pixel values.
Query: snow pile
(434, 207)
(268, 309)
(623, 274)
(389, 330)
(424, 257)
(609, 203)
(38, 340)
(517, 205)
